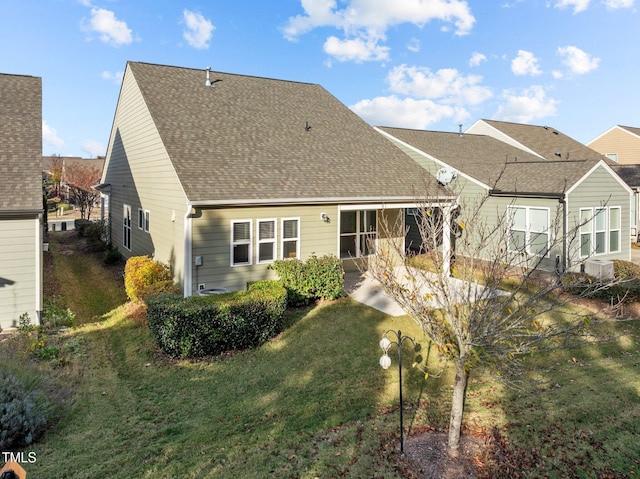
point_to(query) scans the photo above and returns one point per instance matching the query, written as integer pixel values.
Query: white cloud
(618, 3)
(404, 113)
(413, 45)
(447, 84)
(365, 22)
(199, 30)
(578, 5)
(111, 30)
(93, 148)
(476, 59)
(525, 64)
(114, 77)
(50, 136)
(358, 49)
(523, 107)
(577, 60)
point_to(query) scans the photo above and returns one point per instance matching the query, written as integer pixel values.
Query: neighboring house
(533, 193)
(219, 175)
(622, 145)
(21, 210)
(551, 144)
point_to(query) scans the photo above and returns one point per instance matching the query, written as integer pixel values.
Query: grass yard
(314, 402)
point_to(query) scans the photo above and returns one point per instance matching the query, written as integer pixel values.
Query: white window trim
(273, 240)
(528, 231)
(358, 234)
(249, 242)
(126, 226)
(283, 240)
(618, 229)
(147, 221)
(607, 231)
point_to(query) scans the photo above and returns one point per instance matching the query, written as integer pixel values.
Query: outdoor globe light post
(385, 362)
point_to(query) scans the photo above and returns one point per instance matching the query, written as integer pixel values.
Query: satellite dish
(446, 175)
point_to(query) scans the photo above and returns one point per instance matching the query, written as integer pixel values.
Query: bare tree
(484, 302)
(80, 179)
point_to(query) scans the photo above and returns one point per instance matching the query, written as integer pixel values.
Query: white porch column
(446, 240)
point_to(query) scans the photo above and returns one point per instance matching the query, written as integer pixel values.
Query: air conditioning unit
(601, 269)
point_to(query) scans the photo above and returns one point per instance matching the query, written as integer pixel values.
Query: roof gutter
(310, 201)
(527, 194)
(17, 213)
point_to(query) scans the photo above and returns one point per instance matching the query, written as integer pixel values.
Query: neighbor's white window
(140, 218)
(240, 243)
(126, 227)
(600, 230)
(147, 220)
(290, 238)
(529, 230)
(266, 241)
(358, 233)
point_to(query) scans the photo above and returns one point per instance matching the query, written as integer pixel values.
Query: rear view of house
(218, 175)
(21, 207)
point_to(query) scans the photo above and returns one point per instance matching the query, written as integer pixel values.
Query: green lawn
(314, 402)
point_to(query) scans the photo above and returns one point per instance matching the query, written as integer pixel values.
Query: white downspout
(446, 241)
(188, 251)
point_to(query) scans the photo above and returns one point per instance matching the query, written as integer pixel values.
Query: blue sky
(428, 64)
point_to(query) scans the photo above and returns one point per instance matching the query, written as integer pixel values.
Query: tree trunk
(457, 407)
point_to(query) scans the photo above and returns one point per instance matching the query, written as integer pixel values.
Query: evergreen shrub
(317, 278)
(209, 325)
(140, 272)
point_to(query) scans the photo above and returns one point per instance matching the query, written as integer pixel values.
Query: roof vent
(208, 81)
(558, 154)
(460, 130)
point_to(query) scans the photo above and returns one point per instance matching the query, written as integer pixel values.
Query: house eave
(18, 213)
(311, 201)
(527, 194)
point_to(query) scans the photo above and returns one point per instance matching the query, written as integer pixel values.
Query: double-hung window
(358, 233)
(290, 238)
(600, 230)
(144, 219)
(529, 230)
(266, 241)
(126, 227)
(241, 243)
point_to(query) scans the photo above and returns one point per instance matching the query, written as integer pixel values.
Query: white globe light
(384, 344)
(385, 361)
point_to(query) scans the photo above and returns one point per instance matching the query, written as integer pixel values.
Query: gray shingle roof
(546, 141)
(257, 139)
(20, 143)
(629, 173)
(502, 167)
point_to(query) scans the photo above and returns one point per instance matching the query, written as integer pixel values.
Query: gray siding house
(537, 194)
(21, 210)
(218, 175)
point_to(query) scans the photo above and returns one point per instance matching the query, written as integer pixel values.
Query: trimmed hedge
(624, 287)
(140, 273)
(209, 325)
(316, 278)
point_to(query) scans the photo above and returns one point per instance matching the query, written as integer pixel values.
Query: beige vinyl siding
(601, 189)
(144, 177)
(212, 240)
(20, 270)
(620, 142)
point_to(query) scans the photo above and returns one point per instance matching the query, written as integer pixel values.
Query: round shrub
(209, 325)
(140, 272)
(23, 412)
